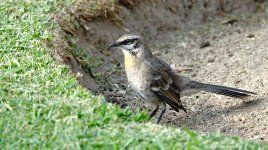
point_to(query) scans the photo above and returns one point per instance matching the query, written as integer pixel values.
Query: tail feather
(232, 93)
(227, 91)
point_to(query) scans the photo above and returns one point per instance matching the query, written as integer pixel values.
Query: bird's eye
(128, 42)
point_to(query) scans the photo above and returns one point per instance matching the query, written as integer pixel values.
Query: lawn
(42, 106)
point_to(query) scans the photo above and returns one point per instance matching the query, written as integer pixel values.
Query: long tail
(227, 91)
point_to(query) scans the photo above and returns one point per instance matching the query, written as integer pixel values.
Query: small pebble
(211, 60)
(204, 44)
(250, 36)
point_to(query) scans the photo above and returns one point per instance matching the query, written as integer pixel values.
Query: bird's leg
(154, 112)
(163, 110)
(161, 115)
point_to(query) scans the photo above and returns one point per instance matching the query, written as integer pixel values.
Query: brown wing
(163, 84)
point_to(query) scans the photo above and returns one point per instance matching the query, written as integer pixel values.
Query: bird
(157, 83)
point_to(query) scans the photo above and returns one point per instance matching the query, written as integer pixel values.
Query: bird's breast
(137, 73)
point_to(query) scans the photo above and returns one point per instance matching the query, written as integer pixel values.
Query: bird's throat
(131, 61)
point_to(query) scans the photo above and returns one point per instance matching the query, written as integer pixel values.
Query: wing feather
(164, 86)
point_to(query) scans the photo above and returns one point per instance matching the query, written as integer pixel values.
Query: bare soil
(220, 42)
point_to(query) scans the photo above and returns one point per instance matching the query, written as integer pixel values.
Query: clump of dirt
(208, 41)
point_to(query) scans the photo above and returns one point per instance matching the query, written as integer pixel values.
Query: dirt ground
(236, 56)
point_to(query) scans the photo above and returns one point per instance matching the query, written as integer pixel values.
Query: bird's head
(130, 44)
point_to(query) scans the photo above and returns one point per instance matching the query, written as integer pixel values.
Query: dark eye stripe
(137, 44)
(129, 41)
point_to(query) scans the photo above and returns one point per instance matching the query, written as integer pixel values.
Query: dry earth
(237, 56)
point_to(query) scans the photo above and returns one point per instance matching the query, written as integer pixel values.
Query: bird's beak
(113, 45)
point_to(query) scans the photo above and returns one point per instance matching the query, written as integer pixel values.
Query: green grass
(42, 106)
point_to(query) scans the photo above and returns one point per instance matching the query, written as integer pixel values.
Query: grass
(42, 106)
